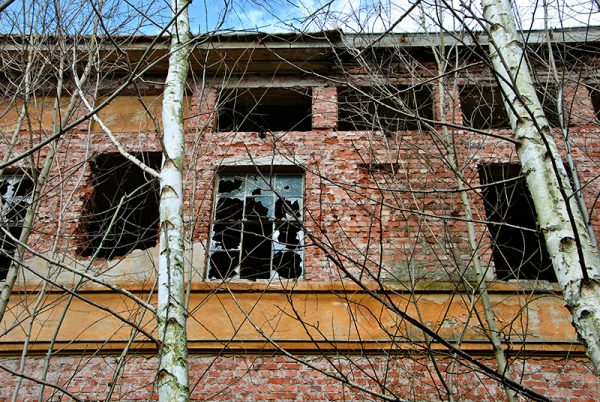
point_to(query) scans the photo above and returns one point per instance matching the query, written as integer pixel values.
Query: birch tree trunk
(171, 313)
(574, 256)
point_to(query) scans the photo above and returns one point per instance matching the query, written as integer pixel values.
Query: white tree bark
(577, 266)
(171, 312)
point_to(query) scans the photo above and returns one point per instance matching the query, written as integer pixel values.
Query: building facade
(342, 193)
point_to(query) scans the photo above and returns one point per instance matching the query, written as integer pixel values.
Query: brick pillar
(203, 109)
(324, 108)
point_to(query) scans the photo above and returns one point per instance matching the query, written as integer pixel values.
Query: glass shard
(289, 236)
(259, 207)
(289, 185)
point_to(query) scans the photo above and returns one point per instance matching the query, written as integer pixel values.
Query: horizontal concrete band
(306, 317)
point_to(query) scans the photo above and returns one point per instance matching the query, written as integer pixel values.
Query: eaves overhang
(267, 53)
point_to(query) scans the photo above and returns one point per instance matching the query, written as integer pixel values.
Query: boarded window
(257, 231)
(15, 191)
(482, 107)
(519, 251)
(392, 108)
(122, 213)
(265, 109)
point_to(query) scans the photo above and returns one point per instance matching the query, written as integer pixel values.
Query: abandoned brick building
(322, 187)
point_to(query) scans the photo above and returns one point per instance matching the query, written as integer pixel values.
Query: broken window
(391, 108)
(257, 227)
(122, 213)
(265, 109)
(15, 191)
(482, 107)
(519, 250)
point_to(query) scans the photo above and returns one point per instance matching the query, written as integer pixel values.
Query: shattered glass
(15, 191)
(227, 236)
(288, 235)
(256, 232)
(257, 185)
(259, 207)
(24, 187)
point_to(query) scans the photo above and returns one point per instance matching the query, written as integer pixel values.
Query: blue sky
(373, 15)
(124, 16)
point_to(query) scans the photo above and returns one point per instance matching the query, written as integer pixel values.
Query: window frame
(268, 182)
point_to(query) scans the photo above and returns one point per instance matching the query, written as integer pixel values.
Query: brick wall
(277, 378)
(371, 203)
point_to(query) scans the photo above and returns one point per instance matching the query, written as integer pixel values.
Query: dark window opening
(517, 253)
(548, 96)
(15, 191)
(256, 232)
(122, 213)
(265, 109)
(482, 107)
(391, 108)
(595, 95)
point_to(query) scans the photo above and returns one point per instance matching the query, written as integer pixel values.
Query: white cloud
(368, 16)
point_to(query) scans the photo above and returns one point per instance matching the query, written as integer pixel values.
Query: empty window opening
(392, 108)
(265, 109)
(548, 96)
(15, 191)
(595, 95)
(257, 231)
(482, 107)
(518, 253)
(122, 213)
